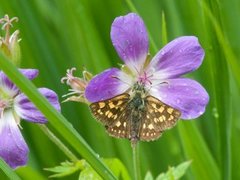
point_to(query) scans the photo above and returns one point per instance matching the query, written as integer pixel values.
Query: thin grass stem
(58, 142)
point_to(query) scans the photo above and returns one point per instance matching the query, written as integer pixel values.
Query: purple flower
(161, 77)
(13, 106)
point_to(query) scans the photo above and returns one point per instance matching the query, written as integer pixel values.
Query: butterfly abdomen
(137, 107)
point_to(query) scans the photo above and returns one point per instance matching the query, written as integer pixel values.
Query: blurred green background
(60, 34)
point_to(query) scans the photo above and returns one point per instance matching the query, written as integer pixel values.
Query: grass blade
(8, 171)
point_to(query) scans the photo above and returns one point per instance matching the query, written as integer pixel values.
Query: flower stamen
(144, 79)
(78, 85)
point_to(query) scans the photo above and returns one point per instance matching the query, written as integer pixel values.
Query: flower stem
(136, 164)
(58, 142)
(133, 9)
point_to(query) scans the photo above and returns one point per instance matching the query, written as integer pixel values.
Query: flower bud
(9, 44)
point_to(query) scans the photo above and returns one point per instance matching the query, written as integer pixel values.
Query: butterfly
(135, 116)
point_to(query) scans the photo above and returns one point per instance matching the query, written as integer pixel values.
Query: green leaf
(164, 30)
(175, 172)
(114, 164)
(87, 172)
(66, 168)
(148, 176)
(8, 171)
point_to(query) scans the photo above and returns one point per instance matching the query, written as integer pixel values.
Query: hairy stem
(58, 142)
(136, 163)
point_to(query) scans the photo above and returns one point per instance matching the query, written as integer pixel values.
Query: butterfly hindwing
(121, 128)
(148, 132)
(161, 115)
(108, 111)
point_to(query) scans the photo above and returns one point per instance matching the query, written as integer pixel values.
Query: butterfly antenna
(120, 80)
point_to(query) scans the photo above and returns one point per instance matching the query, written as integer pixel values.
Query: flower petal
(13, 148)
(107, 84)
(28, 111)
(6, 83)
(130, 39)
(178, 57)
(184, 94)
(29, 73)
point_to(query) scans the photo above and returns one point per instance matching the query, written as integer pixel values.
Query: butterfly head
(139, 87)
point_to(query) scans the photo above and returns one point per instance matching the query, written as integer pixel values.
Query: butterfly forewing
(109, 111)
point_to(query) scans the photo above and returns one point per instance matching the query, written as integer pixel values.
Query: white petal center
(7, 119)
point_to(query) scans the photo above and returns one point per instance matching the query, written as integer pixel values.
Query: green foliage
(8, 171)
(174, 173)
(86, 171)
(59, 34)
(66, 168)
(31, 172)
(114, 164)
(149, 176)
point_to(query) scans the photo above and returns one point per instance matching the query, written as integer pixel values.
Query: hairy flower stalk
(14, 105)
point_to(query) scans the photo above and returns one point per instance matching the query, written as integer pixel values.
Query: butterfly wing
(116, 115)
(148, 132)
(158, 117)
(109, 111)
(121, 127)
